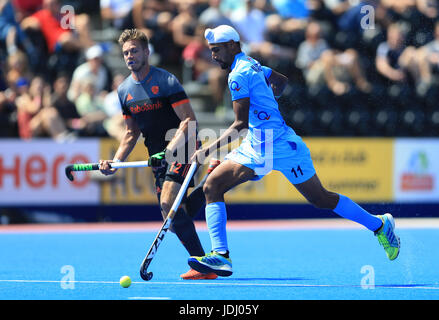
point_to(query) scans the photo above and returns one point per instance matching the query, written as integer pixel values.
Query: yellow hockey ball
(125, 281)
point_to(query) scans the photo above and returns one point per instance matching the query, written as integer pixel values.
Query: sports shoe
(195, 275)
(212, 262)
(212, 165)
(387, 237)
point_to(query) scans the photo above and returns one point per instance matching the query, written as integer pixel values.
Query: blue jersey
(248, 79)
(270, 143)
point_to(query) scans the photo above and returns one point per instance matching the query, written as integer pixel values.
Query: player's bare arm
(126, 145)
(186, 114)
(241, 108)
(278, 82)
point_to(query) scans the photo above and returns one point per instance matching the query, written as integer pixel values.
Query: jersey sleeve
(238, 85)
(267, 71)
(122, 98)
(175, 91)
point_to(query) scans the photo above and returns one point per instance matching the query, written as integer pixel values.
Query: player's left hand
(157, 160)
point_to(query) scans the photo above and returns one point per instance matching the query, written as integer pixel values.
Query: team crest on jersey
(262, 115)
(155, 89)
(234, 86)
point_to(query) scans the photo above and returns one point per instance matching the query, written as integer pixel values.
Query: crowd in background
(356, 68)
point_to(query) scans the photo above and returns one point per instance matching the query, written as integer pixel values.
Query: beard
(223, 65)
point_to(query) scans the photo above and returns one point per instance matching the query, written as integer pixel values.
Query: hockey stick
(95, 166)
(144, 274)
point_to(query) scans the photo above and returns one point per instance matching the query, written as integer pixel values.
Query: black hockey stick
(144, 274)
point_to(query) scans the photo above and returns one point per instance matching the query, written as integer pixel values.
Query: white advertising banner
(416, 170)
(33, 172)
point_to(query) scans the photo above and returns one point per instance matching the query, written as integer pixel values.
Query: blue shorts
(288, 155)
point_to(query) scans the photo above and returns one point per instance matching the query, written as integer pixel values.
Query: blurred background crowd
(356, 68)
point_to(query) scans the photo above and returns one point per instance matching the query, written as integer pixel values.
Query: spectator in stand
(294, 14)
(309, 56)
(65, 42)
(117, 13)
(352, 24)
(154, 17)
(115, 123)
(400, 8)
(252, 25)
(287, 9)
(184, 24)
(11, 33)
(337, 7)
(65, 107)
(198, 57)
(25, 8)
(394, 60)
(17, 68)
(344, 70)
(90, 107)
(213, 16)
(48, 21)
(249, 21)
(227, 7)
(415, 17)
(428, 57)
(36, 117)
(93, 67)
(319, 11)
(339, 70)
(150, 14)
(8, 26)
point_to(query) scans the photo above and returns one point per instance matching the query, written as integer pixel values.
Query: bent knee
(208, 187)
(213, 188)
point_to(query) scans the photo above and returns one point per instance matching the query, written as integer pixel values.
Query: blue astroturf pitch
(296, 264)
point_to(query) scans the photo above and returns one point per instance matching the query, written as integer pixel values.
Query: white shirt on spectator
(120, 8)
(82, 73)
(251, 25)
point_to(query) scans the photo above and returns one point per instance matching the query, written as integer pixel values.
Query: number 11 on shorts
(299, 170)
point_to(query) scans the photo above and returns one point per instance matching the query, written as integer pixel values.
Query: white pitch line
(292, 285)
(299, 285)
(149, 298)
(58, 281)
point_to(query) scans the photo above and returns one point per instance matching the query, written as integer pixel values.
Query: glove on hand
(158, 159)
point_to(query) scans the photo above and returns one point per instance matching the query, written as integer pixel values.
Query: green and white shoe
(387, 237)
(212, 262)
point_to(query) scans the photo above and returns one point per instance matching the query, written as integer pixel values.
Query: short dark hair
(134, 34)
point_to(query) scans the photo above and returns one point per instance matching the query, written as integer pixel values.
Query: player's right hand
(105, 167)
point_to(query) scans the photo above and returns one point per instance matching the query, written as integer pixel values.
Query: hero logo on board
(36, 171)
(33, 172)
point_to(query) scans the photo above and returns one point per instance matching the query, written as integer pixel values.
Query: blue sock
(216, 218)
(350, 210)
